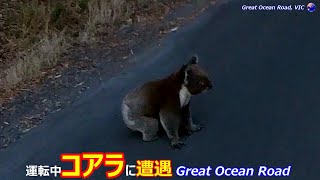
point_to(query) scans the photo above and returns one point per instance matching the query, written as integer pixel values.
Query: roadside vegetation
(35, 33)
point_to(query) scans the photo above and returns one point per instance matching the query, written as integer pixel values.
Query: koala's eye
(201, 82)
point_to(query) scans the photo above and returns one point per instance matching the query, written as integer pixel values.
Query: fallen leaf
(80, 84)
(25, 89)
(66, 65)
(174, 29)
(26, 130)
(58, 76)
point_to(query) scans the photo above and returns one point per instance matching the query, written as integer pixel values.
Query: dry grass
(39, 31)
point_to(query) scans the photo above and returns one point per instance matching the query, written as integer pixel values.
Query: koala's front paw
(177, 144)
(195, 128)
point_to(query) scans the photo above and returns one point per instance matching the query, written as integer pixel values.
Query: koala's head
(195, 78)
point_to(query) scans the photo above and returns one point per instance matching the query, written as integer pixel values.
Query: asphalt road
(264, 109)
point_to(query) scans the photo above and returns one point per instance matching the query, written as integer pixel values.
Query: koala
(166, 102)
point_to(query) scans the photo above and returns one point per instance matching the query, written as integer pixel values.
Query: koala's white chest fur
(184, 96)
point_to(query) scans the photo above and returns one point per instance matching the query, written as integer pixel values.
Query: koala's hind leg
(149, 129)
(171, 123)
(146, 125)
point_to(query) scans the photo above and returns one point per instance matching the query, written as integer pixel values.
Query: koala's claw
(177, 145)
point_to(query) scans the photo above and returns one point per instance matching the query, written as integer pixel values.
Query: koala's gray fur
(166, 101)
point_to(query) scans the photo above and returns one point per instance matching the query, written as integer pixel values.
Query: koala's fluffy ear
(185, 69)
(194, 60)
